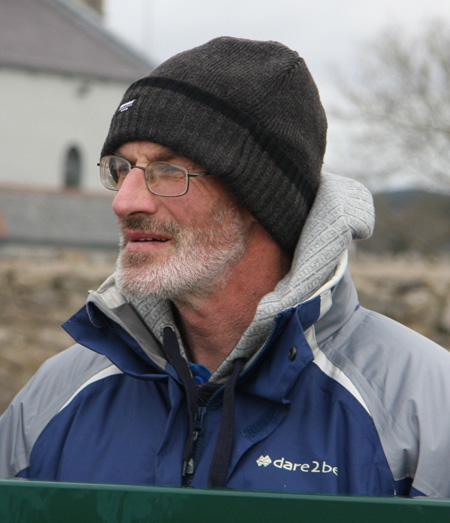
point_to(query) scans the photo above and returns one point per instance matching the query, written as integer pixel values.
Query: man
(229, 349)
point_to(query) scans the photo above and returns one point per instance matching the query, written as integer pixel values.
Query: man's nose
(134, 196)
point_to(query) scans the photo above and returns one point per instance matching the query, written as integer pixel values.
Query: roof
(65, 37)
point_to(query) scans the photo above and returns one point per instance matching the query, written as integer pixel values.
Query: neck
(212, 325)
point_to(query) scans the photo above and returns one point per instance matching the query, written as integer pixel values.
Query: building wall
(43, 116)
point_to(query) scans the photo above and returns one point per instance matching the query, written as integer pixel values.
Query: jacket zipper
(190, 466)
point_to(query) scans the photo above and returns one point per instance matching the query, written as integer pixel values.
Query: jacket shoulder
(53, 385)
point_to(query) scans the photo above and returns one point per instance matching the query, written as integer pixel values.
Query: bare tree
(397, 108)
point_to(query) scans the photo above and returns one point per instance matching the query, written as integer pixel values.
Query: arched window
(72, 174)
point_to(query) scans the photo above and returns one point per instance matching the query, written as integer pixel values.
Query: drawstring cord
(222, 453)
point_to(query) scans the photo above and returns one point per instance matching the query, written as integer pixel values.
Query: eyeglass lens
(166, 179)
(162, 178)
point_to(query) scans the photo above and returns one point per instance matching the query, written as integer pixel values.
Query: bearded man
(228, 349)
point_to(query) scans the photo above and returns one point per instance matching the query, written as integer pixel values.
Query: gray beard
(200, 264)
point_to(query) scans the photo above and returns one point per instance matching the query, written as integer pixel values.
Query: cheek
(191, 208)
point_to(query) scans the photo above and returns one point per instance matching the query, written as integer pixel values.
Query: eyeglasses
(162, 178)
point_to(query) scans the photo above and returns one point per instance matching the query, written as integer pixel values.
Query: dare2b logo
(313, 467)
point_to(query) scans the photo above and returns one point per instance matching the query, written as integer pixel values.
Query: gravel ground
(40, 290)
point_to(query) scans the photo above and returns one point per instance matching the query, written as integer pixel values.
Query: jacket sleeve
(39, 401)
(404, 379)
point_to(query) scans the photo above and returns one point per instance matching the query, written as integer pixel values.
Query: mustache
(149, 224)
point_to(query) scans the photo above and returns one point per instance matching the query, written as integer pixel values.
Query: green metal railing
(33, 501)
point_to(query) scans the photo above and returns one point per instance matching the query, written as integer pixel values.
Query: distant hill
(410, 221)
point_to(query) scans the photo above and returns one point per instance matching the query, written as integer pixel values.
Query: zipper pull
(188, 468)
(198, 422)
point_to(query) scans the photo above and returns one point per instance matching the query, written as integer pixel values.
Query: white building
(62, 75)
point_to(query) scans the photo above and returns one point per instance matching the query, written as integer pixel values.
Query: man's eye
(120, 169)
(169, 171)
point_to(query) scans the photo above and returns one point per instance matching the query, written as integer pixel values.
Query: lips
(138, 240)
(151, 240)
(138, 236)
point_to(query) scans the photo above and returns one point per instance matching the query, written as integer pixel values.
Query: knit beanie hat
(248, 112)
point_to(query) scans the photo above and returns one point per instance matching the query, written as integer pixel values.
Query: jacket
(319, 396)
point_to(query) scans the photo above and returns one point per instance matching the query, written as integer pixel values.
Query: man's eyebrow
(167, 154)
(163, 156)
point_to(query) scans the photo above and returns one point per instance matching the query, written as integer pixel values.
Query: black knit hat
(248, 112)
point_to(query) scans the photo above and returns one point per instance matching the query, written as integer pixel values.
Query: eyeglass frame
(132, 166)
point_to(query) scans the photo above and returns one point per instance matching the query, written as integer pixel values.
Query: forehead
(150, 151)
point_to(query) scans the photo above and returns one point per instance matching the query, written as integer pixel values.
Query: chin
(166, 282)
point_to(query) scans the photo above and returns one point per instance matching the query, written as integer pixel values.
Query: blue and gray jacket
(319, 396)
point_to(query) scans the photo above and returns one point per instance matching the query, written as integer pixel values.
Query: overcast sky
(324, 32)
(328, 34)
